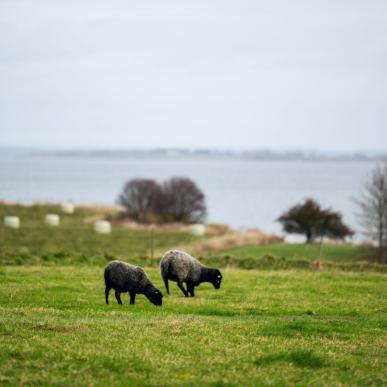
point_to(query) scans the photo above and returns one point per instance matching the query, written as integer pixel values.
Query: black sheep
(123, 277)
(180, 267)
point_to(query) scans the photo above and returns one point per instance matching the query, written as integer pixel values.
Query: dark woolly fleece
(123, 277)
(180, 267)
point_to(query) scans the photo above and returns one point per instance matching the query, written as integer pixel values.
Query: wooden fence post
(152, 243)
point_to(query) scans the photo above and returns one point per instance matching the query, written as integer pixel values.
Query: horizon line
(317, 151)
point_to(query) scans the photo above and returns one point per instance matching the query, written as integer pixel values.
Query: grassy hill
(75, 241)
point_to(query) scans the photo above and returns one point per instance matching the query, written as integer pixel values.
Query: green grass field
(329, 253)
(283, 256)
(263, 327)
(260, 328)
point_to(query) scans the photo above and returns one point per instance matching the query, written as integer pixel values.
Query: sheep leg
(118, 297)
(107, 290)
(181, 287)
(166, 284)
(132, 297)
(191, 289)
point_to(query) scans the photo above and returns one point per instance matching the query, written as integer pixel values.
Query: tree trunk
(381, 253)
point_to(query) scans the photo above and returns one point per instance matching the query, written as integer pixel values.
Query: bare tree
(140, 197)
(372, 206)
(183, 201)
(311, 220)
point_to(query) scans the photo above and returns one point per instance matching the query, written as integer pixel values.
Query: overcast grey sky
(218, 74)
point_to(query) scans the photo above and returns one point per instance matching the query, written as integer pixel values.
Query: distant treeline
(171, 153)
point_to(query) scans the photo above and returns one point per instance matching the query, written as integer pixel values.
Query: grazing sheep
(123, 277)
(180, 267)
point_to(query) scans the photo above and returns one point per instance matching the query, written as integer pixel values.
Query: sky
(246, 74)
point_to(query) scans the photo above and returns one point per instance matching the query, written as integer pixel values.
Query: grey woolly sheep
(180, 267)
(123, 277)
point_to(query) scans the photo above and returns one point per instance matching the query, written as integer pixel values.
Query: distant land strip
(165, 153)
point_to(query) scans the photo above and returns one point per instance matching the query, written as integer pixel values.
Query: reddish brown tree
(313, 221)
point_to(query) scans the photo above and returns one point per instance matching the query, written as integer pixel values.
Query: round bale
(12, 221)
(52, 220)
(197, 229)
(67, 207)
(102, 227)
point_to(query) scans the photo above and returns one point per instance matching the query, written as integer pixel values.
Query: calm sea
(241, 193)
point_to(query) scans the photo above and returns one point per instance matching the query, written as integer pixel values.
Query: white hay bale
(102, 227)
(197, 229)
(67, 207)
(52, 220)
(12, 221)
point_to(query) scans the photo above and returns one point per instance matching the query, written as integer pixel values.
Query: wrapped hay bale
(102, 227)
(12, 221)
(197, 229)
(52, 220)
(67, 207)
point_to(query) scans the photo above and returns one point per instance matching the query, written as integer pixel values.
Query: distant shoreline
(205, 154)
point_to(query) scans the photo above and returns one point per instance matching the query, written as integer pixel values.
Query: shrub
(140, 197)
(178, 199)
(313, 221)
(182, 201)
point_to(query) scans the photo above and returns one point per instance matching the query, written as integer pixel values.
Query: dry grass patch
(230, 240)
